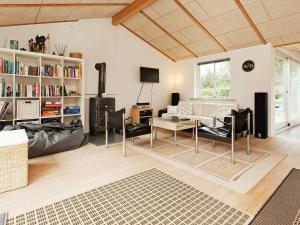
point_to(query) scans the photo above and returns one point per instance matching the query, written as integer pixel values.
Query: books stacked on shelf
(51, 90)
(51, 109)
(73, 71)
(6, 66)
(51, 70)
(27, 90)
(5, 89)
(70, 110)
(23, 69)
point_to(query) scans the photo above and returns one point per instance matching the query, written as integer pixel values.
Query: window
(213, 79)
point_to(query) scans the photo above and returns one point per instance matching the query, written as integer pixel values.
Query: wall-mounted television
(149, 75)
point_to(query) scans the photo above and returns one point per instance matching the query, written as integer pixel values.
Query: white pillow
(185, 108)
(172, 109)
(198, 109)
(209, 110)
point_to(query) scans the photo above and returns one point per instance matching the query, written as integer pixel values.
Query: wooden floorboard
(62, 175)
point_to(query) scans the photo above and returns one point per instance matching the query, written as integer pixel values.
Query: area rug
(283, 207)
(150, 197)
(212, 161)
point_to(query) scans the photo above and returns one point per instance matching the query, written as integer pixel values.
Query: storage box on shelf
(40, 78)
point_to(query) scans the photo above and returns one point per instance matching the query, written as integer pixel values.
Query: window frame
(197, 79)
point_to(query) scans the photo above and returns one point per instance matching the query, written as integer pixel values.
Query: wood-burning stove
(99, 104)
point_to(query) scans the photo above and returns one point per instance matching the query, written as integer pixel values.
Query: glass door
(294, 92)
(281, 90)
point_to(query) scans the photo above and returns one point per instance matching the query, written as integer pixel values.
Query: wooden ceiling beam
(169, 34)
(250, 21)
(130, 10)
(148, 42)
(34, 23)
(290, 43)
(31, 5)
(187, 12)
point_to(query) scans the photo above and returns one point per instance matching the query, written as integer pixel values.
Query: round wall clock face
(248, 65)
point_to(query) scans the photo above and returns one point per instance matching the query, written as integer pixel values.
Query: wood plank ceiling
(179, 29)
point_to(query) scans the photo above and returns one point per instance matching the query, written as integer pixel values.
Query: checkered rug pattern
(297, 219)
(150, 197)
(212, 159)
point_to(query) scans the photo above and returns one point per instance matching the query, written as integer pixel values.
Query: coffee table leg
(151, 135)
(175, 137)
(193, 135)
(196, 136)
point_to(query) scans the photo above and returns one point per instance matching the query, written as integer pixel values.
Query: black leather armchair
(117, 121)
(238, 127)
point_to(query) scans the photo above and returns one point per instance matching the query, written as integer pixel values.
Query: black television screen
(149, 75)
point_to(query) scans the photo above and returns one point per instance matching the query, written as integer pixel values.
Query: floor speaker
(261, 115)
(175, 98)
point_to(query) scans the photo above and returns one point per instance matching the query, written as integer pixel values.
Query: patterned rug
(150, 197)
(211, 159)
(283, 207)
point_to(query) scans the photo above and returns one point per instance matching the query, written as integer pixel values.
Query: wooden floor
(53, 178)
(293, 132)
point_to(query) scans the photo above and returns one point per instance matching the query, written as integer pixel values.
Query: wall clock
(248, 65)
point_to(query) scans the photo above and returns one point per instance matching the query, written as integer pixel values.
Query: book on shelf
(51, 90)
(51, 109)
(51, 70)
(5, 89)
(6, 66)
(49, 104)
(23, 69)
(27, 90)
(70, 110)
(73, 71)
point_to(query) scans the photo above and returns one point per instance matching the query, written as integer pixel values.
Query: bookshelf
(41, 77)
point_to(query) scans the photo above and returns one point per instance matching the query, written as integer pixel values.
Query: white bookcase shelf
(38, 60)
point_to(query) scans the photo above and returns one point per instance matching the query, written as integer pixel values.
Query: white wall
(243, 84)
(99, 41)
(124, 53)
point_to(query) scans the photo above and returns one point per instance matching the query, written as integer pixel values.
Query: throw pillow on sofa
(185, 108)
(172, 109)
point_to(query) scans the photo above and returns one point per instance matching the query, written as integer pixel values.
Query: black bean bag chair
(50, 138)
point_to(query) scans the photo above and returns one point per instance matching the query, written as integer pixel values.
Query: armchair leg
(196, 136)
(106, 129)
(248, 144)
(232, 152)
(232, 138)
(124, 136)
(124, 146)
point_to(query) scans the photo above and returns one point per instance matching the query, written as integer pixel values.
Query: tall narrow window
(213, 79)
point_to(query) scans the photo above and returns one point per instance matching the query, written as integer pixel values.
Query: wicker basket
(14, 167)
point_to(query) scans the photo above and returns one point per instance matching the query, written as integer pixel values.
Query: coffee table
(169, 124)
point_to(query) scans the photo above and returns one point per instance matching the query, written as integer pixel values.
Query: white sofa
(204, 109)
